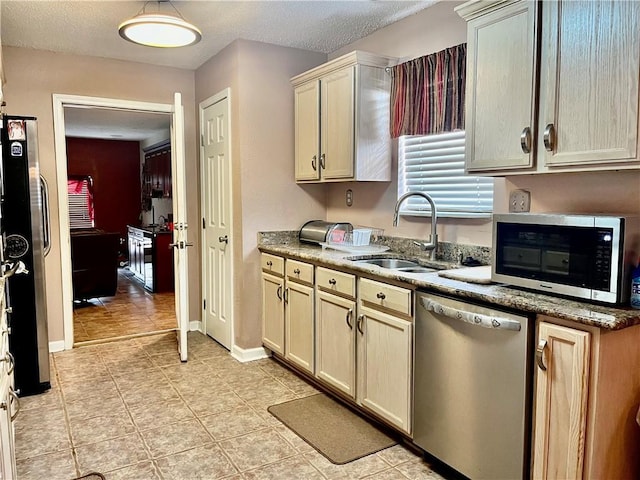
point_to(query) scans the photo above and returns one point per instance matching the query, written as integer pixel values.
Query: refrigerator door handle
(46, 224)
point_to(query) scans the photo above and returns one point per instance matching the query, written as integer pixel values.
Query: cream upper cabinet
(307, 131)
(342, 120)
(586, 98)
(589, 83)
(500, 91)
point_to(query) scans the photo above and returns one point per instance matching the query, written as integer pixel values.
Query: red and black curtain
(427, 93)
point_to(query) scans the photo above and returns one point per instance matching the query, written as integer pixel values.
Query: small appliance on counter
(318, 231)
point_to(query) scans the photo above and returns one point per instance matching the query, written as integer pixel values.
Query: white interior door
(216, 220)
(180, 225)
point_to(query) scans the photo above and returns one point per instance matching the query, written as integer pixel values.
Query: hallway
(133, 310)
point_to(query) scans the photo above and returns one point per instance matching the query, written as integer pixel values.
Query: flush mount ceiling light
(164, 30)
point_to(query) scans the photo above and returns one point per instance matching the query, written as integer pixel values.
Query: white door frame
(60, 101)
(226, 93)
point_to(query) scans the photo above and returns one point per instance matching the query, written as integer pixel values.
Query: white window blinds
(434, 164)
(80, 204)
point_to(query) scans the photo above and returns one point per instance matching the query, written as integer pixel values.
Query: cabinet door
(337, 124)
(589, 82)
(384, 366)
(273, 313)
(561, 402)
(307, 130)
(299, 323)
(501, 89)
(7, 439)
(335, 342)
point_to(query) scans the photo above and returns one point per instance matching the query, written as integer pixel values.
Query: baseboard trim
(57, 346)
(195, 326)
(248, 354)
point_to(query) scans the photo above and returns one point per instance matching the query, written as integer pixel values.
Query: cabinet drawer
(272, 264)
(338, 282)
(299, 271)
(384, 295)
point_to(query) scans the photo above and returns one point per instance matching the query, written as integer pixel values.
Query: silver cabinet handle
(548, 137)
(14, 396)
(269, 263)
(360, 323)
(322, 161)
(349, 317)
(525, 140)
(478, 319)
(313, 163)
(332, 281)
(381, 296)
(10, 361)
(45, 216)
(279, 293)
(542, 345)
(224, 239)
(297, 271)
(286, 295)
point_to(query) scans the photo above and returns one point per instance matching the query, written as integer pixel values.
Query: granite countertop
(606, 317)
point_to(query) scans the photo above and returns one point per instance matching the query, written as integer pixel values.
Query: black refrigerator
(25, 233)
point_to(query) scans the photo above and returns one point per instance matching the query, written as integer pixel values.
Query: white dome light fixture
(162, 30)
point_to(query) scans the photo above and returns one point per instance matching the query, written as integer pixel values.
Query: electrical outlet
(519, 201)
(349, 197)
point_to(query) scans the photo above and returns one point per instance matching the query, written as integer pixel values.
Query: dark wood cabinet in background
(156, 173)
(151, 258)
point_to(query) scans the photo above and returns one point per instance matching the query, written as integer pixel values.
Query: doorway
(217, 218)
(173, 117)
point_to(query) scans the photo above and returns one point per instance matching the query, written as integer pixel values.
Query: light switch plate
(519, 201)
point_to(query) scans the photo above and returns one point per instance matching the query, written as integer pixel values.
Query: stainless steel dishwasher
(472, 387)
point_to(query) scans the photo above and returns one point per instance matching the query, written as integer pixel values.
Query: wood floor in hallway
(132, 311)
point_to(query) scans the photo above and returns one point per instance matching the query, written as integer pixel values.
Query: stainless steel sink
(397, 264)
(393, 263)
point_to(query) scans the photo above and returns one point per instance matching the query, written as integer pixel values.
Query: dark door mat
(331, 428)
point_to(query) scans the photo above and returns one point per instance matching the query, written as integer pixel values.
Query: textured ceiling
(90, 27)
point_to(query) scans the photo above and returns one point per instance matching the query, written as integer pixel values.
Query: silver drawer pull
(542, 345)
(332, 281)
(548, 137)
(313, 163)
(478, 319)
(14, 397)
(381, 296)
(297, 271)
(10, 361)
(269, 263)
(279, 292)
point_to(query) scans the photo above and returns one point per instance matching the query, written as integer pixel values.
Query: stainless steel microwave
(582, 256)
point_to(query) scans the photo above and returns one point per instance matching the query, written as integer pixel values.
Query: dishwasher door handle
(486, 321)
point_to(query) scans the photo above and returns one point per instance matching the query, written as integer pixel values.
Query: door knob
(224, 239)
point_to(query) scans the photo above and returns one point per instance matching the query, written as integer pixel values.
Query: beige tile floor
(133, 310)
(131, 410)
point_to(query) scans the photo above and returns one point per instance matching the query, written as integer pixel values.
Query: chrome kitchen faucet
(433, 240)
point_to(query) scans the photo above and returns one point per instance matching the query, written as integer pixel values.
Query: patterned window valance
(427, 93)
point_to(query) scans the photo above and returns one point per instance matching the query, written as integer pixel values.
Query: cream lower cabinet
(335, 333)
(273, 303)
(587, 390)
(299, 316)
(384, 349)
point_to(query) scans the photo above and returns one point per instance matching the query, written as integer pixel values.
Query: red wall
(114, 166)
